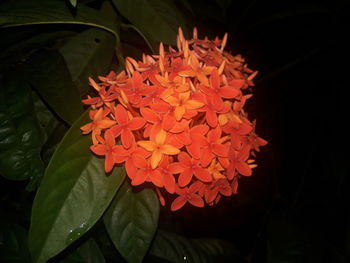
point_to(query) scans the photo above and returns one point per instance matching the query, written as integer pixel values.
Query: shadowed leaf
(131, 221)
(48, 73)
(157, 19)
(20, 134)
(88, 54)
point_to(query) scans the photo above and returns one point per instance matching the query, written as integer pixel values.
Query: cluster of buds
(179, 119)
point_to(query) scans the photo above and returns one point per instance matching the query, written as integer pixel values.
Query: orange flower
(198, 71)
(100, 121)
(187, 195)
(216, 92)
(145, 172)
(158, 148)
(126, 125)
(182, 103)
(181, 121)
(191, 167)
(220, 186)
(108, 149)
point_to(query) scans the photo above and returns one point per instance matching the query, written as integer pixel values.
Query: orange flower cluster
(180, 121)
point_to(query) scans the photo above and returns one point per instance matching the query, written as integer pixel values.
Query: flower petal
(179, 112)
(169, 149)
(156, 157)
(211, 118)
(148, 145)
(185, 177)
(178, 203)
(99, 149)
(136, 123)
(214, 79)
(202, 174)
(169, 183)
(184, 159)
(214, 135)
(121, 114)
(219, 150)
(127, 138)
(193, 104)
(104, 124)
(229, 92)
(175, 168)
(109, 162)
(149, 115)
(206, 157)
(139, 161)
(140, 177)
(201, 129)
(160, 137)
(109, 138)
(156, 178)
(244, 169)
(237, 83)
(217, 101)
(168, 122)
(196, 200)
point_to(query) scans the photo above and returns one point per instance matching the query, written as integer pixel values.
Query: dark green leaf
(73, 195)
(216, 249)
(157, 19)
(175, 248)
(48, 73)
(23, 42)
(20, 134)
(91, 252)
(14, 243)
(46, 118)
(89, 54)
(73, 2)
(87, 252)
(131, 221)
(56, 12)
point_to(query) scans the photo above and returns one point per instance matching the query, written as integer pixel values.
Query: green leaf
(157, 19)
(73, 195)
(87, 252)
(21, 43)
(73, 2)
(20, 134)
(176, 248)
(14, 243)
(89, 54)
(216, 249)
(56, 12)
(48, 73)
(131, 221)
(91, 252)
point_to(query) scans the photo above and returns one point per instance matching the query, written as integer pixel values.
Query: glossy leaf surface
(88, 54)
(20, 134)
(131, 221)
(175, 248)
(54, 12)
(48, 74)
(73, 195)
(157, 19)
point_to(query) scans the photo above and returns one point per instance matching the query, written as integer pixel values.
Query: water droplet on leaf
(76, 233)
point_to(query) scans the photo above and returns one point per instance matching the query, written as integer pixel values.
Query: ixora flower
(180, 121)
